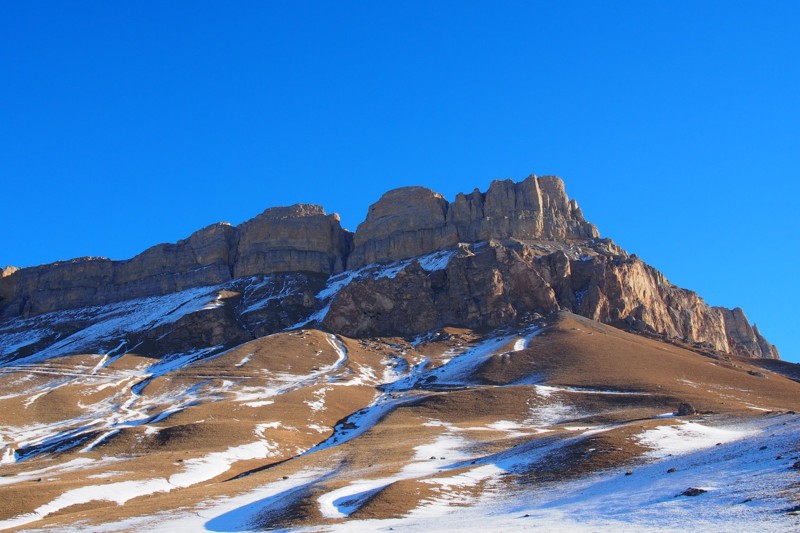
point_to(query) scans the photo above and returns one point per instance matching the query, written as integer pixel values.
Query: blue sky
(675, 125)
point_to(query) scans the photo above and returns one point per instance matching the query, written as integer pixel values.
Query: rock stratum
(515, 250)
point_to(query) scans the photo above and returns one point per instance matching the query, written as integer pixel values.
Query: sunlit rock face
(494, 283)
(414, 221)
(485, 260)
(300, 238)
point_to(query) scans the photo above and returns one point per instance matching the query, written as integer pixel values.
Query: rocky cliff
(412, 221)
(300, 238)
(499, 257)
(493, 283)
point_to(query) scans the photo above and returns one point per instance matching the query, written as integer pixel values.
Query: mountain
(489, 362)
(518, 249)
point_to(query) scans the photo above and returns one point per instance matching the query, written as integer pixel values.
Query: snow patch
(686, 437)
(196, 471)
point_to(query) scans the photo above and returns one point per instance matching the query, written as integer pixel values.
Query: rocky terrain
(446, 363)
(519, 248)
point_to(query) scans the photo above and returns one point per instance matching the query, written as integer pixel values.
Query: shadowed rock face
(496, 285)
(412, 221)
(202, 259)
(538, 255)
(300, 238)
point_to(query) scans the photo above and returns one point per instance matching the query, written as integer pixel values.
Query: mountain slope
(379, 428)
(488, 361)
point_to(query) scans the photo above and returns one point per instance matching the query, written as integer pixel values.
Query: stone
(299, 238)
(535, 208)
(413, 221)
(201, 259)
(405, 222)
(744, 339)
(496, 284)
(693, 491)
(521, 249)
(686, 409)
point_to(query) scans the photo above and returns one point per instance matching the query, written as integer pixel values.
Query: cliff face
(535, 208)
(516, 250)
(300, 238)
(202, 259)
(494, 284)
(413, 221)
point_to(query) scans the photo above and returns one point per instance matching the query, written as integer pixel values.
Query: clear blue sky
(674, 124)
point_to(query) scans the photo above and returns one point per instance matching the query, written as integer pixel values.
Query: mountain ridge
(539, 255)
(540, 369)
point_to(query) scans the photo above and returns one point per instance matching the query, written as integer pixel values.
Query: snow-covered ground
(109, 323)
(746, 489)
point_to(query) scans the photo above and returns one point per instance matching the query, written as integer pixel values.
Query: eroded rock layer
(413, 221)
(497, 284)
(516, 250)
(300, 238)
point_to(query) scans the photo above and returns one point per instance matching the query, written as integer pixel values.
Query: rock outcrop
(520, 249)
(413, 221)
(496, 284)
(535, 208)
(202, 259)
(300, 238)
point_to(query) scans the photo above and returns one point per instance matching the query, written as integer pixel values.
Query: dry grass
(571, 353)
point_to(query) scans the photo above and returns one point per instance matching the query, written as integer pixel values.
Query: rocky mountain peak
(299, 238)
(418, 262)
(535, 208)
(401, 210)
(412, 221)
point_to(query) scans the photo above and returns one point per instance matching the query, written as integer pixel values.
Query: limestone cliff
(201, 259)
(300, 238)
(412, 221)
(518, 249)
